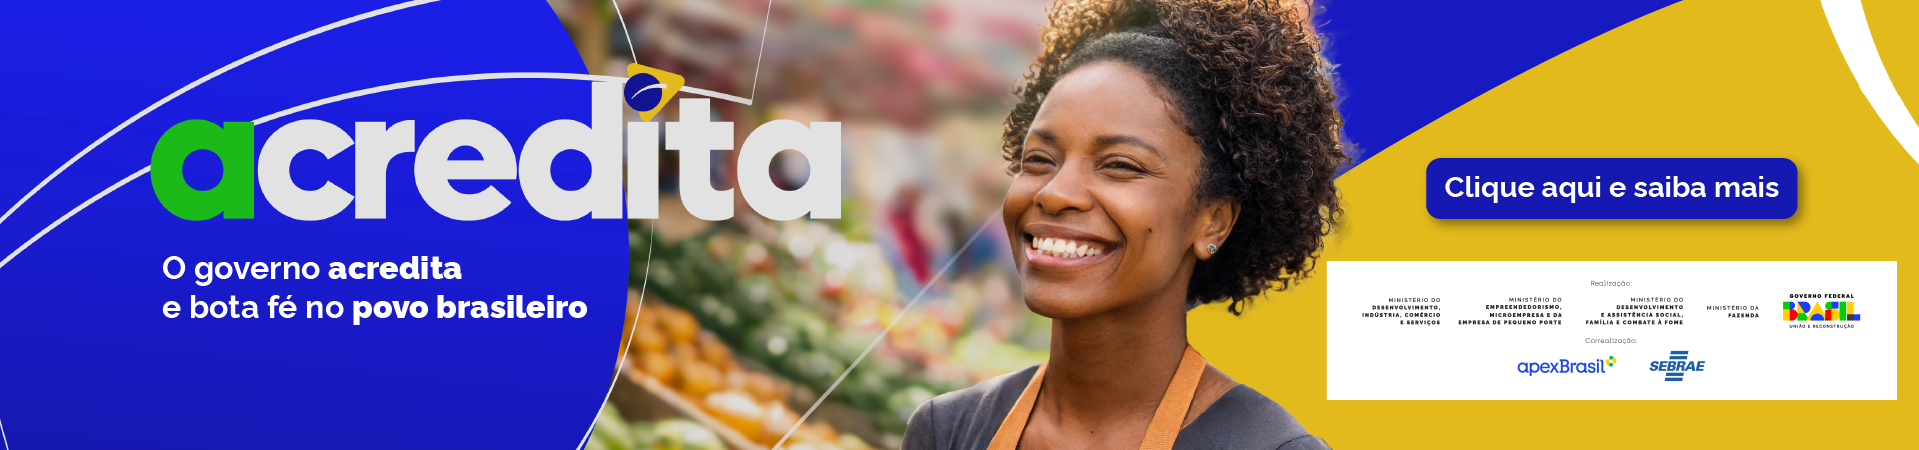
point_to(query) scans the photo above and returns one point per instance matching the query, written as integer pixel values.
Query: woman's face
(1102, 209)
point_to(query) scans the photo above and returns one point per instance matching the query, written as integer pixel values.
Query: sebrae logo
(1676, 365)
(1812, 311)
(646, 90)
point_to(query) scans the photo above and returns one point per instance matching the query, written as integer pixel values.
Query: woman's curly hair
(1255, 94)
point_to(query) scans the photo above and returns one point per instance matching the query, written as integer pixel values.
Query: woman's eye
(1036, 162)
(1122, 166)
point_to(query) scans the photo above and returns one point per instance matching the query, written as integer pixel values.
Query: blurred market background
(747, 321)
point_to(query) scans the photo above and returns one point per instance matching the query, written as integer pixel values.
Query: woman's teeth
(1064, 248)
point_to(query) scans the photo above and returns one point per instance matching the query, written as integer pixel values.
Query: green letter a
(232, 144)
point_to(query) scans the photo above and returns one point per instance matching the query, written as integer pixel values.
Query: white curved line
(647, 275)
(348, 96)
(76, 210)
(289, 41)
(311, 105)
(472, 77)
(1848, 22)
(730, 98)
(766, 26)
(661, 87)
(196, 83)
(621, 18)
(990, 220)
(437, 80)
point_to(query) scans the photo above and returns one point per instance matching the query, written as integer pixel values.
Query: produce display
(758, 327)
(669, 347)
(611, 432)
(779, 310)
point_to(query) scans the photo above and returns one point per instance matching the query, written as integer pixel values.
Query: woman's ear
(1216, 219)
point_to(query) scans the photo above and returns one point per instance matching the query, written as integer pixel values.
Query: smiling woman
(1165, 154)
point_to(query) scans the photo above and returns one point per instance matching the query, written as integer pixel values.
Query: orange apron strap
(1172, 408)
(1007, 438)
(1159, 434)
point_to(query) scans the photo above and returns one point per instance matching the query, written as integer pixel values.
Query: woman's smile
(1102, 209)
(1164, 154)
(1051, 246)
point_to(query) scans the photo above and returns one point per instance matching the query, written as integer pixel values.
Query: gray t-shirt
(968, 418)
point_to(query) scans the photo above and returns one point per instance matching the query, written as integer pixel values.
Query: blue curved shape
(1404, 63)
(84, 345)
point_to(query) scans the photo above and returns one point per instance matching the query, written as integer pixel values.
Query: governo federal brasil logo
(1820, 311)
(612, 148)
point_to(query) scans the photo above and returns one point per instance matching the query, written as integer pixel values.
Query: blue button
(1612, 188)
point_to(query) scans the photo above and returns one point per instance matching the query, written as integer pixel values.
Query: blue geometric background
(1403, 64)
(87, 360)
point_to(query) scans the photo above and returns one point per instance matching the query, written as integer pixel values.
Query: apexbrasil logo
(1565, 366)
(1677, 364)
(377, 143)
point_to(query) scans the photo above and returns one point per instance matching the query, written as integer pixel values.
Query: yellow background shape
(1697, 79)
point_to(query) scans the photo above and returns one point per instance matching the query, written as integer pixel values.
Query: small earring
(1211, 249)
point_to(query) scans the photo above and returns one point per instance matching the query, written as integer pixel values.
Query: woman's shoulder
(1244, 418)
(966, 418)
